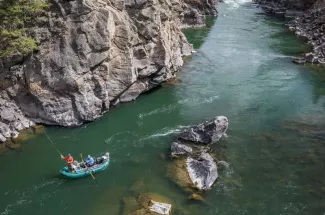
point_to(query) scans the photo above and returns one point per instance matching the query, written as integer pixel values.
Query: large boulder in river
(195, 169)
(209, 132)
(194, 172)
(202, 171)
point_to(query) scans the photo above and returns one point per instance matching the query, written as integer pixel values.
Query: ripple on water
(26, 198)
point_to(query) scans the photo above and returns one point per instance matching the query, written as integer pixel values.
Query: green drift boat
(101, 164)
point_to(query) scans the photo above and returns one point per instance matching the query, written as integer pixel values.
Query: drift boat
(101, 164)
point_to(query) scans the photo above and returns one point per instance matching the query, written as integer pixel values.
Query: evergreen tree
(16, 18)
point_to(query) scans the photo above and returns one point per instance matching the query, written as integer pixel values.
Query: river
(242, 69)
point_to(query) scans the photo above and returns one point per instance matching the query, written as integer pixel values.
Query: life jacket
(69, 159)
(90, 161)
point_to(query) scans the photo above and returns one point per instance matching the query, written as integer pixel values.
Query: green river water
(242, 69)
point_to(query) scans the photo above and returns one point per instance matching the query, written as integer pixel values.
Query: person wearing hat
(69, 160)
(90, 161)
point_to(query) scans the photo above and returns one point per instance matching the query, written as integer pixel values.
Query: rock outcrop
(180, 149)
(203, 171)
(311, 25)
(194, 167)
(308, 22)
(207, 133)
(95, 54)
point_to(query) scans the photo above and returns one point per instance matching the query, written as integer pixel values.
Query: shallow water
(242, 69)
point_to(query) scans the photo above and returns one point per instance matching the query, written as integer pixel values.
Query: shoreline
(306, 22)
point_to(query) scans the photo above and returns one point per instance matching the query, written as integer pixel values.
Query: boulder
(14, 134)
(299, 60)
(7, 115)
(160, 208)
(2, 138)
(180, 149)
(209, 132)
(146, 204)
(202, 171)
(4, 130)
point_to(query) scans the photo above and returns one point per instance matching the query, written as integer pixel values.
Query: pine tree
(16, 18)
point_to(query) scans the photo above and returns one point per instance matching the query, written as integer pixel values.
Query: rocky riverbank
(94, 55)
(308, 22)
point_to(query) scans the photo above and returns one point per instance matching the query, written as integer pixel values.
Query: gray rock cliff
(95, 54)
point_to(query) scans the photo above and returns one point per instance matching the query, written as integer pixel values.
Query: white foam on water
(24, 198)
(111, 138)
(210, 99)
(171, 107)
(164, 132)
(164, 109)
(236, 3)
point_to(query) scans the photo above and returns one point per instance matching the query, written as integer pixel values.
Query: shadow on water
(197, 36)
(289, 44)
(317, 78)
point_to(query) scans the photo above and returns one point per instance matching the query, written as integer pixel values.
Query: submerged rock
(196, 197)
(202, 171)
(177, 172)
(3, 149)
(130, 204)
(139, 186)
(209, 132)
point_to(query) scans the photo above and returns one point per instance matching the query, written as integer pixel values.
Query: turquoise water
(242, 69)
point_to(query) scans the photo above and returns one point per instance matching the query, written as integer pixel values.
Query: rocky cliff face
(309, 22)
(95, 54)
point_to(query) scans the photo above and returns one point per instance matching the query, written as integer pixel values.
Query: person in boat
(90, 161)
(72, 165)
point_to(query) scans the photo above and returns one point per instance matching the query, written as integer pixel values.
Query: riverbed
(242, 69)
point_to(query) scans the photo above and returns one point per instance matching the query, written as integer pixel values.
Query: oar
(88, 169)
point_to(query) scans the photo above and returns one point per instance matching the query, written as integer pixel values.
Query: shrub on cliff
(17, 17)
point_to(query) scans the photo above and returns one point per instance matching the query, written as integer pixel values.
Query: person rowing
(90, 161)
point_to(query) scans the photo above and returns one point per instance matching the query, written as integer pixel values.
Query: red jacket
(68, 159)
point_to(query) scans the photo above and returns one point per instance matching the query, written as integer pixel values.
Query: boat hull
(81, 173)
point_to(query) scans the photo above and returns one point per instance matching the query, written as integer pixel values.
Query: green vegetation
(17, 17)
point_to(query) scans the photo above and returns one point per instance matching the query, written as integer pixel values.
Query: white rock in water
(202, 171)
(160, 208)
